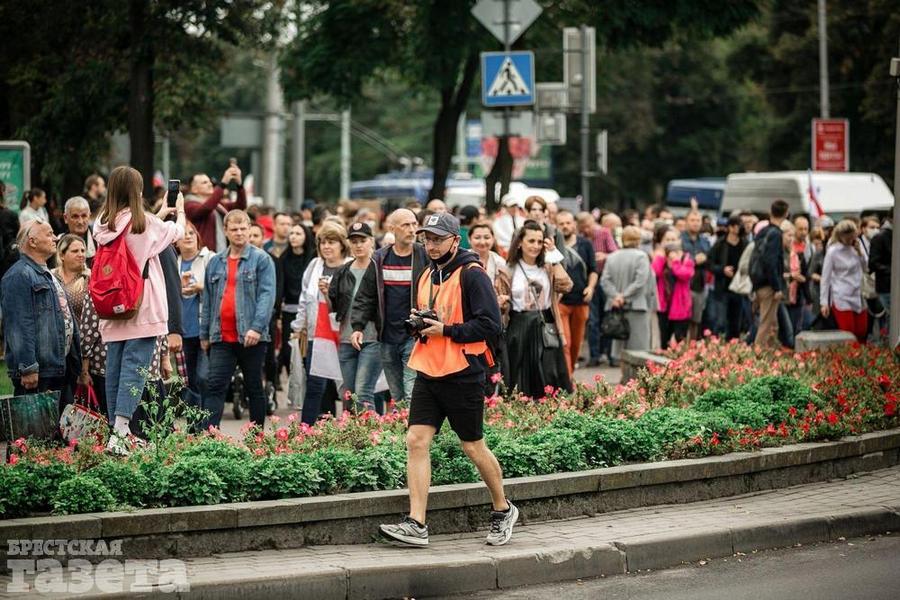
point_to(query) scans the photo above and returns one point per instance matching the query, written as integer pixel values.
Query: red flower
(885, 382)
(715, 439)
(890, 408)
(832, 418)
(13, 459)
(792, 411)
(282, 434)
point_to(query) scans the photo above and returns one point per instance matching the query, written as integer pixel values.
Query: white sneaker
(502, 525)
(123, 445)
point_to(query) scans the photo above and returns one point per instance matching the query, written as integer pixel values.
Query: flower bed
(714, 397)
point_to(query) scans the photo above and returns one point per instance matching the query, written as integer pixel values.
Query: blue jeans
(886, 320)
(196, 365)
(400, 378)
(223, 357)
(315, 390)
(785, 327)
(360, 370)
(127, 368)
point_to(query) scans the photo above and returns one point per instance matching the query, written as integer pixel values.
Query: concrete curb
(418, 575)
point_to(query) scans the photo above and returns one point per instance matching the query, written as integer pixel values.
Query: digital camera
(416, 322)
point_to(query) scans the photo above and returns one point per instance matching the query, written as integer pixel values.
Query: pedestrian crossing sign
(507, 78)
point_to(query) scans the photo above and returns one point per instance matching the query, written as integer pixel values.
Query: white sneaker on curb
(502, 525)
(407, 533)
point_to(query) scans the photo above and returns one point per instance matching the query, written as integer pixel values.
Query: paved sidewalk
(608, 544)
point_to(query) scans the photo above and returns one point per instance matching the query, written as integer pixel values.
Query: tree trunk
(453, 103)
(501, 172)
(140, 94)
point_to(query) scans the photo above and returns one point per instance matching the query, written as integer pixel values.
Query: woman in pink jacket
(130, 343)
(674, 270)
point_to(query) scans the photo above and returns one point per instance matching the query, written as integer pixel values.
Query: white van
(473, 193)
(839, 194)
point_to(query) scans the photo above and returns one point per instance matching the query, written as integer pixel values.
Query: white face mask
(871, 232)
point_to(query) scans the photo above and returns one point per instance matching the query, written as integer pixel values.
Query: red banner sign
(830, 145)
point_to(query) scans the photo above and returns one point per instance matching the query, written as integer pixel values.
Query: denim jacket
(254, 294)
(33, 324)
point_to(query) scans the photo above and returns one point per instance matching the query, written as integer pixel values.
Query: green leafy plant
(284, 476)
(191, 482)
(127, 483)
(81, 494)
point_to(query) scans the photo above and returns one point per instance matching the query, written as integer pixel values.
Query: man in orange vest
(451, 358)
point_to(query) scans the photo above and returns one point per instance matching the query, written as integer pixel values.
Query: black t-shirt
(397, 274)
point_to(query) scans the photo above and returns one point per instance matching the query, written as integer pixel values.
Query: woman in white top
(841, 286)
(483, 243)
(33, 206)
(533, 343)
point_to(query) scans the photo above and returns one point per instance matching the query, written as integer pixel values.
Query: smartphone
(232, 185)
(174, 189)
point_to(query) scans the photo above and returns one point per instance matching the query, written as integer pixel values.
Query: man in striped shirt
(384, 297)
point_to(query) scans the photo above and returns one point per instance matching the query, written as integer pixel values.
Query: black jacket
(369, 302)
(481, 314)
(880, 259)
(717, 261)
(767, 260)
(340, 292)
(290, 267)
(168, 260)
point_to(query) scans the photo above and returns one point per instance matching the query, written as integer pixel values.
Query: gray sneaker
(502, 525)
(406, 533)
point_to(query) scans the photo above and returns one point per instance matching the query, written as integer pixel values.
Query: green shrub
(757, 403)
(128, 484)
(668, 425)
(36, 484)
(520, 459)
(191, 482)
(234, 473)
(449, 464)
(15, 483)
(82, 494)
(216, 448)
(564, 450)
(283, 476)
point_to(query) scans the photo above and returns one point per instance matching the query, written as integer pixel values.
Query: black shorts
(461, 403)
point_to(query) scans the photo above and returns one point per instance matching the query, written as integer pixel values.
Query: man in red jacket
(205, 205)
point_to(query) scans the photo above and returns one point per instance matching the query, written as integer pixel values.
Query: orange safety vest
(441, 356)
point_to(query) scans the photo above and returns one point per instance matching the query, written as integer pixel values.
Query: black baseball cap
(359, 229)
(442, 224)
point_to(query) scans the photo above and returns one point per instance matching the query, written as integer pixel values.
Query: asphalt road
(864, 568)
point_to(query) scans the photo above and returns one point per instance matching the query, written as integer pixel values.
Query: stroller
(240, 400)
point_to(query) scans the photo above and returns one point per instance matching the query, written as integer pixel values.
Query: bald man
(384, 299)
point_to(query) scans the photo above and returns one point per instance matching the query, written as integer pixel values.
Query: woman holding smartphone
(674, 270)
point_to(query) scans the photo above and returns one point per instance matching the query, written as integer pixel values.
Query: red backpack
(117, 284)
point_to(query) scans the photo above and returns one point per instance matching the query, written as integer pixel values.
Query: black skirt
(531, 366)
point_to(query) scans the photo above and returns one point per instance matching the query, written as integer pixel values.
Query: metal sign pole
(585, 122)
(894, 335)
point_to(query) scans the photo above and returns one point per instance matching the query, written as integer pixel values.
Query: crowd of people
(357, 294)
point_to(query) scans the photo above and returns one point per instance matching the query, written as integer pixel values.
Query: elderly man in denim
(239, 297)
(42, 343)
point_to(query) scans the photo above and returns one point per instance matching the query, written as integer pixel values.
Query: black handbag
(615, 325)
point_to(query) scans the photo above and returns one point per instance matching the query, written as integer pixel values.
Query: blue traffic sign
(507, 78)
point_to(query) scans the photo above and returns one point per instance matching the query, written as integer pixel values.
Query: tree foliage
(782, 58)
(342, 44)
(68, 76)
